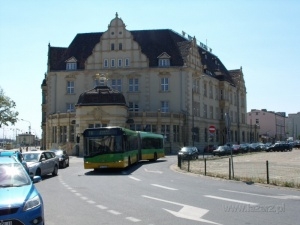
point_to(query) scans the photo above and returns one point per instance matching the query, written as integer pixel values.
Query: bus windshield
(104, 144)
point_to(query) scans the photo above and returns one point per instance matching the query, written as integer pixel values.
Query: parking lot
(283, 167)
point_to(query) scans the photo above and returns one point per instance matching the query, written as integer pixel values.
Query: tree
(7, 114)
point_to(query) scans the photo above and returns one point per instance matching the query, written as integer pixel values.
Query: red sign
(212, 129)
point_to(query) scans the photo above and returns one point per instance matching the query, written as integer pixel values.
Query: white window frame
(70, 87)
(164, 84)
(133, 106)
(71, 66)
(112, 63)
(164, 106)
(70, 107)
(133, 84)
(127, 63)
(116, 84)
(120, 62)
(105, 63)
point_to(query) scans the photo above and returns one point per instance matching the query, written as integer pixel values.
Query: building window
(211, 112)
(120, 46)
(120, 62)
(112, 46)
(176, 133)
(70, 107)
(112, 63)
(70, 87)
(164, 84)
(211, 92)
(105, 63)
(133, 85)
(133, 106)
(116, 84)
(205, 90)
(71, 66)
(126, 62)
(63, 134)
(204, 110)
(164, 106)
(164, 62)
(165, 131)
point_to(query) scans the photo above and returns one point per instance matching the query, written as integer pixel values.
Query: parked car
(188, 152)
(21, 203)
(236, 149)
(279, 147)
(222, 150)
(244, 148)
(62, 156)
(18, 155)
(41, 163)
(209, 148)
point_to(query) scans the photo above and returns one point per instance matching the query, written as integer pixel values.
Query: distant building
(171, 85)
(293, 126)
(267, 126)
(26, 139)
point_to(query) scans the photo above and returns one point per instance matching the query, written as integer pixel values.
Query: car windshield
(31, 157)
(13, 175)
(186, 149)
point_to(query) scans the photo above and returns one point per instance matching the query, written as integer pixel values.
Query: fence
(278, 168)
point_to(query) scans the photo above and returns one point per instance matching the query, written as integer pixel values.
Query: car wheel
(38, 172)
(55, 171)
(68, 163)
(64, 164)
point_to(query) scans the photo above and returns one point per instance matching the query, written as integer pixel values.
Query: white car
(41, 163)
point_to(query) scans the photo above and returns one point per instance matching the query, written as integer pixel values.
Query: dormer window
(164, 60)
(71, 64)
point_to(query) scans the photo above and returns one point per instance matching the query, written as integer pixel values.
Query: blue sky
(261, 36)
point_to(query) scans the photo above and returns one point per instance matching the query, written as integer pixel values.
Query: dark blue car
(20, 202)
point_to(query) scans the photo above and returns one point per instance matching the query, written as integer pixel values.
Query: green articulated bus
(118, 147)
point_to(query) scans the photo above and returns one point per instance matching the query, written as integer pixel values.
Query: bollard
(205, 167)
(179, 161)
(229, 169)
(267, 165)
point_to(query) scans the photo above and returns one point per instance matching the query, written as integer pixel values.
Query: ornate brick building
(171, 84)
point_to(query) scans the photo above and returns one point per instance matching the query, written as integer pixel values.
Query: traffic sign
(212, 129)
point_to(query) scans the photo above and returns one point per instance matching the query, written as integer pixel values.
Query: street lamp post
(29, 128)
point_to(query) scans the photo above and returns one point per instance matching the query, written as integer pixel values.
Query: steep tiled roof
(152, 43)
(100, 96)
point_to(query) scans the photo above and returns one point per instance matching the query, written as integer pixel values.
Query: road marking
(101, 206)
(133, 178)
(114, 212)
(153, 171)
(230, 200)
(91, 202)
(132, 219)
(156, 185)
(186, 212)
(267, 196)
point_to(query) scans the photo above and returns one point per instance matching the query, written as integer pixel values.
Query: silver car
(41, 163)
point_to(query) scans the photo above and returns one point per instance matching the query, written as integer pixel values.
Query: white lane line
(78, 194)
(114, 212)
(134, 178)
(230, 200)
(132, 219)
(101, 206)
(91, 202)
(153, 171)
(160, 186)
(84, 198)
(267, 196)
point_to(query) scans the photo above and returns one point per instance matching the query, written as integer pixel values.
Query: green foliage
(7, 113)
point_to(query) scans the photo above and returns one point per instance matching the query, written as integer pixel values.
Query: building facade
(293, 126)
(267, 126)
(172, 85)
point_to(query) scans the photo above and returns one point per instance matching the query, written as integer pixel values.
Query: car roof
(6, 160)
(8, 153)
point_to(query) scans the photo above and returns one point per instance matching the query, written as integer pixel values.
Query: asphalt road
(155, 194)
